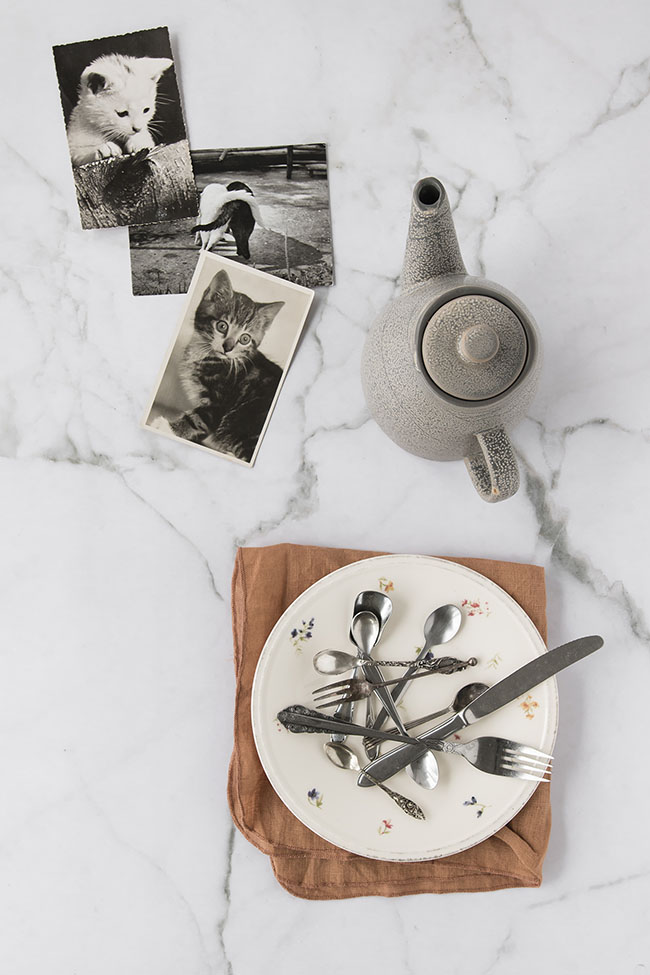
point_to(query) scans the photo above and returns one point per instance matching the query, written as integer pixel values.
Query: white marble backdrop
(117, 853)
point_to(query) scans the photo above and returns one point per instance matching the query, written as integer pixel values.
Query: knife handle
(298, 720)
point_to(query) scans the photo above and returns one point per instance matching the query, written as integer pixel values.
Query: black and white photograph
(266, 207)
(126, 133)
(229, 358)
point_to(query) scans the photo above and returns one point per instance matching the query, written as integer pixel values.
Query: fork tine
(328, 687)
(335, 701)
(321, 695)
(532, 778)
(336, 683)
(527, 749)
(335, 696)
(534, 753)
(539, 770)
(519, 773)
(511, 755)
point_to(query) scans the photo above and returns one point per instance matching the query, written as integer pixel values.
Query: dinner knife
(500, 694)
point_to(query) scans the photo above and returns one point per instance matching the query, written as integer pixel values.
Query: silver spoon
(344, 757)
(373, 601)
(465, 696)
(366, 627)
(367, 601)
(440, 627)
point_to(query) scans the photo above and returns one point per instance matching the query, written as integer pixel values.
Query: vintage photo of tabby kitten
(229, 358)
(126, 134)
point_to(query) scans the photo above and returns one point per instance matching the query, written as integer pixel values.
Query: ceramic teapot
(453, 363)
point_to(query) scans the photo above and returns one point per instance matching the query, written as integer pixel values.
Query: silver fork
(356, 688)
(501, 756)
(496, 756)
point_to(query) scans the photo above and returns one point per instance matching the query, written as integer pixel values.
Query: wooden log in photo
(150, 186)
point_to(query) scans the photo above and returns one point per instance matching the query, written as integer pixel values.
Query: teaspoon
(440, 626)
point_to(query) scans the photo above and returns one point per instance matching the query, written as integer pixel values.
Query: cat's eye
(244, 338)
(123, 114)
(222, 327)
(145, 110)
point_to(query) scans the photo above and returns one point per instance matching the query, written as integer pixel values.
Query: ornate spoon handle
(408, 806)
(439, 665)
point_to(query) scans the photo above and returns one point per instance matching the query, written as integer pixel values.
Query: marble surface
(117, 852)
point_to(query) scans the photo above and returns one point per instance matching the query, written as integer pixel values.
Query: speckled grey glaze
(474, 347)
(407, 404)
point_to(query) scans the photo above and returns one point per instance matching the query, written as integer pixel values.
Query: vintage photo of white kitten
(125, 130)
(229, 358)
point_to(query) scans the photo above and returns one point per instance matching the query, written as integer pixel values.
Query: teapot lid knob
(478, 343)
(474, 347)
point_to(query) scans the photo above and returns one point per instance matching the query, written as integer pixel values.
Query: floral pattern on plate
(386, 826)
(300, 634)
(480, 806)
(475, 607)
(315, 798)
(529, 705)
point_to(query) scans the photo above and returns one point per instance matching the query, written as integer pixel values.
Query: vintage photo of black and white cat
(125, 129)
(266, 207)
(228, 361)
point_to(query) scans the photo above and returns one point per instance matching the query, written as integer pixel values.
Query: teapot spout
(432, 247)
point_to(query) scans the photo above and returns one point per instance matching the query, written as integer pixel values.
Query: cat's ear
(220, 287)
(155, 67)
(96, 82)
(266, 313)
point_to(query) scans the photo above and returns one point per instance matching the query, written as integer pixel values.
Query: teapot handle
(492, 466)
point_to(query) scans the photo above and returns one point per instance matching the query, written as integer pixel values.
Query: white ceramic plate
(467, 805)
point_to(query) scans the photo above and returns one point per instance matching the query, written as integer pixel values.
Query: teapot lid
(474, 347)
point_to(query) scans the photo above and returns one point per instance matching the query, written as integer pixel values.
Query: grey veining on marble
(117, 851)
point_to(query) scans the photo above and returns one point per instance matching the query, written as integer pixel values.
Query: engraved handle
(408, 806)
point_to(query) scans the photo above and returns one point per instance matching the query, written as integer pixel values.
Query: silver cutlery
(465, 696)
(333, 662)
(424, 768)
(496, 756)
(379, 605)
(355, 689)
(440, 626)
(344, 757)
(522, 680)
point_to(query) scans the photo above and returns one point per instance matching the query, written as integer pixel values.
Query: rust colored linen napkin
(265, 582)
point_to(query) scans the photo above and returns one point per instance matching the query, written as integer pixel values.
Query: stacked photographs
(246, 232)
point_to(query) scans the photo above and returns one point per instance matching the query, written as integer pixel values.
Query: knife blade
(522, 680)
